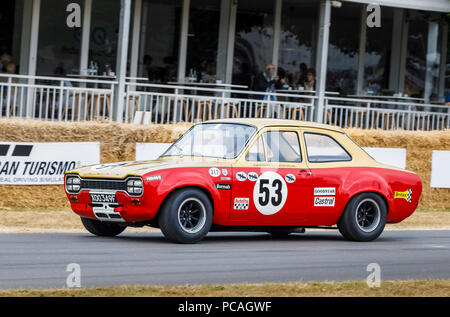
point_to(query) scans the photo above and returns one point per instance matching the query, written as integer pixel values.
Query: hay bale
(118, 143)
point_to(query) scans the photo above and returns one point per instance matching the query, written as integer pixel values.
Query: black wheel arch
(174, 191)
(363, 192)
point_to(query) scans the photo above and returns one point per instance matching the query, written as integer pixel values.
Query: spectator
(447, 99)
(267, 81)
(300, 76)
(310, 82)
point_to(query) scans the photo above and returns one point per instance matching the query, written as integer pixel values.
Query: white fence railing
(75, 99)
(387, 115)
(55, 98)
(171, 104)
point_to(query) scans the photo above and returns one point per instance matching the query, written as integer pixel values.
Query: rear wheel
(103, 229)
(364, 218)
(186, 216)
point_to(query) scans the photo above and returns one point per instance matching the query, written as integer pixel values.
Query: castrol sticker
(324, 201)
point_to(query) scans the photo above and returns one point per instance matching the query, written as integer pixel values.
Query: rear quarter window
(324, 148)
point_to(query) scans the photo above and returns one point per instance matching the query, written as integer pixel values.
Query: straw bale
(117, 143)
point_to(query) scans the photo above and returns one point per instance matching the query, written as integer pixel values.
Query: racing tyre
(364, 218)
(102, 229)
(186, 217)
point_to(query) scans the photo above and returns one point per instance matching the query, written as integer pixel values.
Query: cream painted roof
(259, 123)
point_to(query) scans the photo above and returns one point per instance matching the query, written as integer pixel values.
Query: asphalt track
(40, 260)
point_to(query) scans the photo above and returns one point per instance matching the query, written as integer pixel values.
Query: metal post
(322, 56)
(443, 66)
(122, 57)
(432, 58)
(396, 48)
(85, 36)
(231, 39)
(276, 32)
(362, 50)
(403, 53)
(34, 37)
(135, 40)
(183, 41)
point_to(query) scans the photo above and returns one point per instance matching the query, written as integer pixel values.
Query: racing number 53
(264, 191)
(270, 193)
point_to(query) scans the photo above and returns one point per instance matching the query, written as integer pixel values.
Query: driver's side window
(280, 146)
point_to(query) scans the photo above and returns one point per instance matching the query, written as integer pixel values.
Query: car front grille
(104, 184)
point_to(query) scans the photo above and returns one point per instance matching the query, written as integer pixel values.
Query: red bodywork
(298, 208)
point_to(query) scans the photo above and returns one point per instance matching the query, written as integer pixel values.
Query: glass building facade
(233, 40)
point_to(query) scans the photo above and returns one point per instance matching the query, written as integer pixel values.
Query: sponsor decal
(253, 176)
(406, 195)
(270, 193)
(223, 186)
(324, 191)
(290, 178)
(224, 171)
(153, 178)
(241, 203)
(214, 172)
(103, 167)
(324, 201)
(241, 176)
(225, 178)
(44, 163)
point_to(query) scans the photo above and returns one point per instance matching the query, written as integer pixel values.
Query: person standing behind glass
(267, 81)
(300, 76)
(310, 82)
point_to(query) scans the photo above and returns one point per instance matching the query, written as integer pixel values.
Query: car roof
(260, 123)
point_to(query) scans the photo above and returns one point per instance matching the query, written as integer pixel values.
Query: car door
(330, 165)
(271, 181)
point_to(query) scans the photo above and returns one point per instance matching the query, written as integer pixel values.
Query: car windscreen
(218, 140)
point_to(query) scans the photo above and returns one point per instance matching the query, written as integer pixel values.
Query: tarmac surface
(41, 260)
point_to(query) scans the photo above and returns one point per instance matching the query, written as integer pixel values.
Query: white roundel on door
(270, 193)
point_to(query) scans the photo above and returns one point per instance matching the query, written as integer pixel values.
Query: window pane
(282, 146)
(105, 22)
(221, 140)
(204, 17)
(256, 153)
(297, 37)
(322, 148)
(59, 46)
(343, 49)
(254, 39)
(378, 54)
(160, 40)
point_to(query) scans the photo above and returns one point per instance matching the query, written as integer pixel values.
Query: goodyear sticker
(404, 195)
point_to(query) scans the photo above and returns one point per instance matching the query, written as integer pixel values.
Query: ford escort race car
(275, 176)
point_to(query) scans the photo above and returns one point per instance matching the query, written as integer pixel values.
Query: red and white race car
(275, 176)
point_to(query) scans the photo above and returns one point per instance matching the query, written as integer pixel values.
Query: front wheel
(186, 217)
(364, 218)
(103, 229)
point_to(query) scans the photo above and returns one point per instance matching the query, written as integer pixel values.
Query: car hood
(121, 170)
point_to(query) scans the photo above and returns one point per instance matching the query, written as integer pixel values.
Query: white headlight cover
(135, 187)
